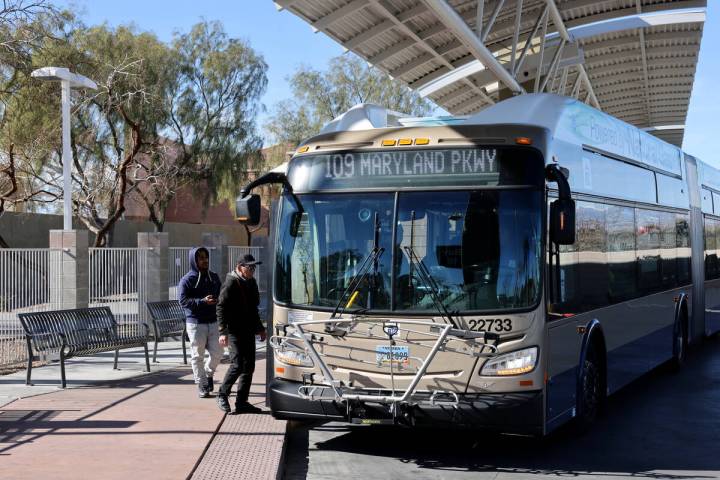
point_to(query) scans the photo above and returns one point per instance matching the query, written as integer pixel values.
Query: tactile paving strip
(245, 447)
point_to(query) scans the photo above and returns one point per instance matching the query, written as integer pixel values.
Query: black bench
(82, 331)
(168, 321)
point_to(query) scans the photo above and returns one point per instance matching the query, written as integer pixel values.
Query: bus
(507, 270)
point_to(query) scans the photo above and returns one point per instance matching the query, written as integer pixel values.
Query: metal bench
(168, 321)
(78, 332)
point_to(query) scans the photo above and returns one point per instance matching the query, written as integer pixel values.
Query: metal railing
(26, 278)
(179, 265)
(117, 280)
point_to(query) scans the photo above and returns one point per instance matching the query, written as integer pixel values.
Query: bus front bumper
(519, 412)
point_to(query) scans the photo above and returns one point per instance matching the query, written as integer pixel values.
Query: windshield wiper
(432, 285)
(370, 260)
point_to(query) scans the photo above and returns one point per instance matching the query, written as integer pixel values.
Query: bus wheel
(680, 346)
(591, 395)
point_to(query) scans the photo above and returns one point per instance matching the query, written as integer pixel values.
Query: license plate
(384, 354)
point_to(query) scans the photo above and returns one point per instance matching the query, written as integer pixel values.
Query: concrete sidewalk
(127, 423)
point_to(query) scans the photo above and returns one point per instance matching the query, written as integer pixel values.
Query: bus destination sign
(409, 163)
(417, 168)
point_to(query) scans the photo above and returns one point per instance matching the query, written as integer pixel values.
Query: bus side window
(621, 253)
(592, 255)
(668, 250)
(682, 235)
(648, 250)
(711, 259)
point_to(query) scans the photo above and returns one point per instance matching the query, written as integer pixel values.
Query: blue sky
(285, 42)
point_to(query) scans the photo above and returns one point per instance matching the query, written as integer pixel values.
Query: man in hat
(239, 322)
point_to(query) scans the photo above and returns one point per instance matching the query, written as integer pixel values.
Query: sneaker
(210, 384)
(202, 391)
(223, 403)
(246, 408)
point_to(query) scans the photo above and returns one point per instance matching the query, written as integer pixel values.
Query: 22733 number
(490, 324)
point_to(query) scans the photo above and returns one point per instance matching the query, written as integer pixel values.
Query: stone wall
(31, 230)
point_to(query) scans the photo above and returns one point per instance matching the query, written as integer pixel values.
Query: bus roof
(576, 123)
(567, 119)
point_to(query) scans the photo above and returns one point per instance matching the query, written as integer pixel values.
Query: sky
(285, 41)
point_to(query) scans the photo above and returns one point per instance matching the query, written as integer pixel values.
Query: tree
(209, 106)
(321, 96)
(24, 26)
(163, 116)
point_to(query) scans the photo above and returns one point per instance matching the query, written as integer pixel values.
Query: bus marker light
(523, 141)
(280, 370)
(303, 149)
(526, 383)
(388, 143)
(405, 141)
(422, 141)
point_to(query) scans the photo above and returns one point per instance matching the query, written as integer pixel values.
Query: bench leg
(147, 357)
(117, 354)
(29, 370)
(29, 362)
(155, 351)
(184, 350)
(62, 368)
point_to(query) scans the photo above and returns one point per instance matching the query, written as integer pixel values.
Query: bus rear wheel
(591, 394)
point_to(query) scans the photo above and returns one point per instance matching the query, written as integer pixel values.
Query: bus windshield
(481, 248)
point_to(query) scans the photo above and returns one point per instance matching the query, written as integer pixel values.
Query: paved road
(664, 426)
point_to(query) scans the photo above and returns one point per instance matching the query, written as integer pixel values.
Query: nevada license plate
(384, 354)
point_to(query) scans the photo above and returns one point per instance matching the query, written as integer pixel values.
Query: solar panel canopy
(633, 59)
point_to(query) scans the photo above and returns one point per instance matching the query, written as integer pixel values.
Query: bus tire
(681, 341)
(591, 393)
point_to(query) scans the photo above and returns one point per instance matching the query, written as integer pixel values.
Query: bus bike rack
(344, 394)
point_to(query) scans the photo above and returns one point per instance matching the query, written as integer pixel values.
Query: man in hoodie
(237, 312)
(198, 293)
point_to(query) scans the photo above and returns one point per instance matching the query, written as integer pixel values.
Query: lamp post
(67, 81)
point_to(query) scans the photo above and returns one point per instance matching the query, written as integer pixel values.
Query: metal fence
(26, 277)
(261, 272)
(179, 265)
(116, 279)
(30, 278)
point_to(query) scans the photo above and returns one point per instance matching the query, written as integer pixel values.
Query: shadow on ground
(664, 426)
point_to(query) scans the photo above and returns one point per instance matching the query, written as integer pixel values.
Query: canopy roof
(633, 59)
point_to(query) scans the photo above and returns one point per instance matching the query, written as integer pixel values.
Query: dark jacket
(195, 286)
(237, 308)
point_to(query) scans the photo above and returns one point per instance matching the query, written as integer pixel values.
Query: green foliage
(163, 116)
(214, 104)
(321, 96)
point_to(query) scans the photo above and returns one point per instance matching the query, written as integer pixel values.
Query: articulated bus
(507, 270)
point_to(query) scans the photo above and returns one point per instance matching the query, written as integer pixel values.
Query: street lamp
(67, 81)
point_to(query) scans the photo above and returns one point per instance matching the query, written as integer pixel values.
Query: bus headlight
(290, 354)
(513, 363)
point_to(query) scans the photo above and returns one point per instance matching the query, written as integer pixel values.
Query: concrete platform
(127, 423)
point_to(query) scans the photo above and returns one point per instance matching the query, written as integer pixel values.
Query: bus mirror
(295, 223)
(562, 221)
(247, 209)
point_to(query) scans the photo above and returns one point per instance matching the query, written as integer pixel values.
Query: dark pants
(242, 366)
